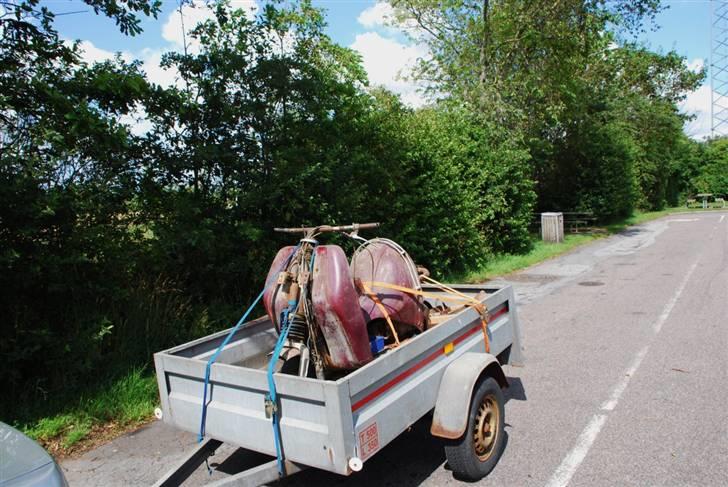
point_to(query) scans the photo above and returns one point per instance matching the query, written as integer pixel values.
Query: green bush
(471, 196)
(712, 177)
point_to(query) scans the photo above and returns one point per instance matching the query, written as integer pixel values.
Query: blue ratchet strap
(272, 394)
(214, 357)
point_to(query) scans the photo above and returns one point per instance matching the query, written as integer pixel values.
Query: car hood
(19, 454)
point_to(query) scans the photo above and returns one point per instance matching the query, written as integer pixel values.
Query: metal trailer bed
(333, 425)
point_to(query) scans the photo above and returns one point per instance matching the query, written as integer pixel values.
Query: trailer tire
(472, 456)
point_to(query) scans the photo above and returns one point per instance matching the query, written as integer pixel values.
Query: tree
(259, 135)
(516, 60)
(561, 78)
(65, 178)
(712, 176)
(645, 90)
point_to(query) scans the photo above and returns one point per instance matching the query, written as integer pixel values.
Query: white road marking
(570, 464)
(622, 384)
(680, 220)
(657, 326)
(721, 218)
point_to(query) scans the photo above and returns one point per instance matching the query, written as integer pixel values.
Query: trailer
(337, 425)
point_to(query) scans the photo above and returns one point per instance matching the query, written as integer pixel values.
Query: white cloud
(387, 59)
(697, 103)
(388, 53)
(151, 59)
(176, 29)
(92, 54)
(696, 65)
(380, 14)
(389, 62)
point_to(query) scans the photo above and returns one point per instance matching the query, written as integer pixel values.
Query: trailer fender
(456, 388)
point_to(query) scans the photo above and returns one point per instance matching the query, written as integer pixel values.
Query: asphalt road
(625, 381)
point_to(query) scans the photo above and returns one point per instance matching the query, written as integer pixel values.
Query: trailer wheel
(474, 455)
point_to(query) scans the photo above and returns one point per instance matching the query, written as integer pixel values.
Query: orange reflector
(449, 348)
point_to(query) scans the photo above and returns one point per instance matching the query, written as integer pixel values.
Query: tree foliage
(65, 184)
(712, 169)
(597, 113)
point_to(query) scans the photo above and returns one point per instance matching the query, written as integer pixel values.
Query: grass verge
(112, 408)
(541, 251)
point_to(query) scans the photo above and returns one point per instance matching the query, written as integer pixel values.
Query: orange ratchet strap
(379, 304)
(459, 298)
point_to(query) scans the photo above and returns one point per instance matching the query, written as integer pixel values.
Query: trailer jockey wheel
(472, 456)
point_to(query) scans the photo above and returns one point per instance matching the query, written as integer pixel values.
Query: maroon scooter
(337, 318)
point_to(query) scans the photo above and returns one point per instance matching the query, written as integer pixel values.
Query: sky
(361, 24)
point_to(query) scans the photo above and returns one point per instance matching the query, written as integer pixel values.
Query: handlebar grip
(366, 226)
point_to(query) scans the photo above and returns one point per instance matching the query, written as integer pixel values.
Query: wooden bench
(576, 221)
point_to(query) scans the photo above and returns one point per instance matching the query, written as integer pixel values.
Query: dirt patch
(535, 278)
(97, 436)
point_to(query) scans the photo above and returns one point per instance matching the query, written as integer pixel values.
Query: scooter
(334, 315)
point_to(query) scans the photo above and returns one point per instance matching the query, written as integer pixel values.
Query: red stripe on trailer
(430, 358)
(498, 314)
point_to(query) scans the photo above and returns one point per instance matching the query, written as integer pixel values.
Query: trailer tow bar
(251, 477)
(189, 464)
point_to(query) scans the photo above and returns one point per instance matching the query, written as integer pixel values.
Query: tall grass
(147, 317)
(128, 400)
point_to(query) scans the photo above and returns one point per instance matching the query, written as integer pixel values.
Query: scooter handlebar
(328, 228)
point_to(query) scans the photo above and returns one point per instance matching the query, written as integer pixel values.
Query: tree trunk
(484, 43)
